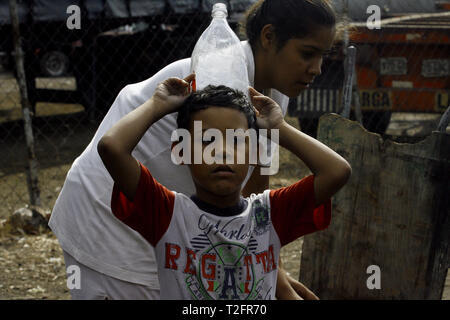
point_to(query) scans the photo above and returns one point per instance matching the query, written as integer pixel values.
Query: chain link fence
(74, 75)
(401, 66)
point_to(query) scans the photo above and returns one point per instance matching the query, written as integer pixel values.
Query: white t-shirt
(82, 218)
(204, 252)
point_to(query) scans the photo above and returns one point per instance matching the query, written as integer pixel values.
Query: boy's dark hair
(220, 96)
(290, 19)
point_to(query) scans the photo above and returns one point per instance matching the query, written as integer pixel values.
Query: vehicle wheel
(377, 121)
(54, 64)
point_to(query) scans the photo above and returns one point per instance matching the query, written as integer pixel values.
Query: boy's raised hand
(268, 112)
(170, 94)
(117, 144)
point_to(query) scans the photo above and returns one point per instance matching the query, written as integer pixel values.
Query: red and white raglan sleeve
(150, 211)
(294, 212)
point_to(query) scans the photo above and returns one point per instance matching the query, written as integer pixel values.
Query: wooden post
(394, 214)
(444, 121)
(32, 172)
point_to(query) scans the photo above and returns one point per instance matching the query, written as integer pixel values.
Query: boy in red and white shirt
(217, 244)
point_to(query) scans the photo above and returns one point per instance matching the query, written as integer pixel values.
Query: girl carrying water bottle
(286, 43)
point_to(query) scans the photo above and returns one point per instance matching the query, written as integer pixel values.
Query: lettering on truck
(375, 99)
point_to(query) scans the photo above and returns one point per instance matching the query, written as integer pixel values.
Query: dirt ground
(32, 266)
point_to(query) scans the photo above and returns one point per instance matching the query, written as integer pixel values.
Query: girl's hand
(268, 112)
(170, 94)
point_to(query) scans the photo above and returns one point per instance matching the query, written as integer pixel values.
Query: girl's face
(292, 68)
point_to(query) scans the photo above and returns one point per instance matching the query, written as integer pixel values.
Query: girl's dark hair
(219, 96)
(290, 19)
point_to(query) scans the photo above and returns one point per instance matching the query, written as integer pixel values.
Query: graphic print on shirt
(233, 268)
(262, 218)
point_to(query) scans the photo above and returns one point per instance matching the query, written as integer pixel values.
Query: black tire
(54, 64)
(309, 126)
(376, 121)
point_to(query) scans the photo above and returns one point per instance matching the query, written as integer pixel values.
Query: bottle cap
(219, 7)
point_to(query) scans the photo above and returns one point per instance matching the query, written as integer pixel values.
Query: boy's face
(218, 179)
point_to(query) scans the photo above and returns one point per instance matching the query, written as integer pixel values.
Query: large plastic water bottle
(218, 57)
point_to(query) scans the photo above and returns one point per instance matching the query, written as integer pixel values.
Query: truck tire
(54, 64)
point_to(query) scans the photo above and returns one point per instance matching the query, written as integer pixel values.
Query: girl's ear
(267, 36)
(174, 143)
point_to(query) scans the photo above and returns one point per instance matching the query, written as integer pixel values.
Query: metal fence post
(348, 81)
(32, 172)
(355, 97)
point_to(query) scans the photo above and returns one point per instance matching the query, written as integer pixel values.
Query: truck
(118, 42)
(403, 66)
